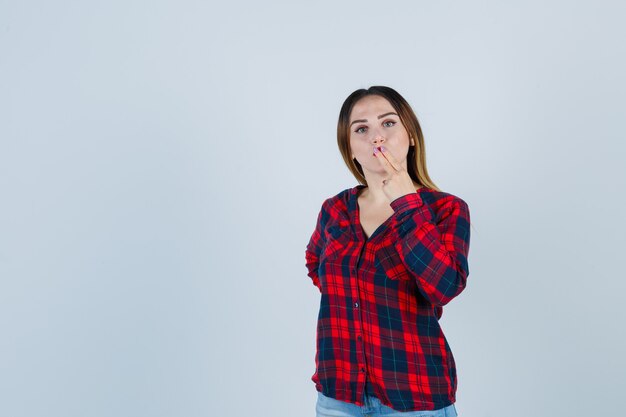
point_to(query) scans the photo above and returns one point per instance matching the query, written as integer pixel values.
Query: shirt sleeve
(434, 249)
(314, 248)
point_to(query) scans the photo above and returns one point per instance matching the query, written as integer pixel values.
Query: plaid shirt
(382, 297)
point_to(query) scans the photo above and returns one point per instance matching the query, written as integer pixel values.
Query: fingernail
(382, 148)
(375, 150)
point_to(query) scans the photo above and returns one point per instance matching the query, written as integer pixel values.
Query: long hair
(416, 157)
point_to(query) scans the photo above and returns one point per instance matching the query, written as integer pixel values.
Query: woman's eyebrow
(365, 120)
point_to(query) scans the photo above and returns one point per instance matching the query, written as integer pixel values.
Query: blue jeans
(327, 407)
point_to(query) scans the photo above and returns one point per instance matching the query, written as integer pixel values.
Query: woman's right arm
(315, 246)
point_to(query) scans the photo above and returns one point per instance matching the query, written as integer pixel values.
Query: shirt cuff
(412, 201)
(407, 201)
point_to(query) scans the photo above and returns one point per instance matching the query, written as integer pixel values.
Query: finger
(393, 162)
(384, 162)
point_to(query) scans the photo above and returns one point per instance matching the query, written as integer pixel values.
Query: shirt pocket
(388, 261)
(337, 240)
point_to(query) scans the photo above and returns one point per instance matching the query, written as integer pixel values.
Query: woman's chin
(376, 171)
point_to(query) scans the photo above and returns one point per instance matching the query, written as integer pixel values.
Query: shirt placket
(358, 329)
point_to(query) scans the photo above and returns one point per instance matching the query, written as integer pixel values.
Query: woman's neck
(374, 193)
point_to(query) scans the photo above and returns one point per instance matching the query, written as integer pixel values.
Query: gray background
(162, 164)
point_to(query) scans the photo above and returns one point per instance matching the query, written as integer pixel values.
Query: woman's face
(373, 123)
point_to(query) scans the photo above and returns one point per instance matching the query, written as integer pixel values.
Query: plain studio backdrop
(162, 164)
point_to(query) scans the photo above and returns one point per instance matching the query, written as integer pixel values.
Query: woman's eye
(389, 123)
(360, 130)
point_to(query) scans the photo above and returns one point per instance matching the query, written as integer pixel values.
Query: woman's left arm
(434, 248)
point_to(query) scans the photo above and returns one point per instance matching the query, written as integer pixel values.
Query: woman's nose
(378, 140)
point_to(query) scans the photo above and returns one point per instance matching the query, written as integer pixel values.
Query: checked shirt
(382, 298)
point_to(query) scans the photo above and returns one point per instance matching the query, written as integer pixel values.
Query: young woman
(386, 255)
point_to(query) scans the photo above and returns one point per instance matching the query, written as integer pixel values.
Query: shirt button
(362, 369)
(356, 305)
(359, 337)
